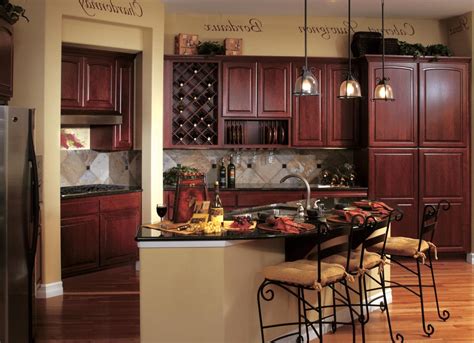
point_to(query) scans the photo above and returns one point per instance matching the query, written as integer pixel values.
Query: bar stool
(370, 231)
(305, 275)
(420, 249)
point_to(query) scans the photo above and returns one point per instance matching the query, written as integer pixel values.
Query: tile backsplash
(84, 167)
(261, 166)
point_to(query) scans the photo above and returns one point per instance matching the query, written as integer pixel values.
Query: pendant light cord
(383, 41)
(305, 35)
(349, 41)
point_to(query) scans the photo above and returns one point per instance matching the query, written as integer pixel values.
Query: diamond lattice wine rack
(195, 103)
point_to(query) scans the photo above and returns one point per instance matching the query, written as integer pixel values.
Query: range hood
(86, 119)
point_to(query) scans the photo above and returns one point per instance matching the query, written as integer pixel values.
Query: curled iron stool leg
(398, 336)
(427, 328)
(445, 315)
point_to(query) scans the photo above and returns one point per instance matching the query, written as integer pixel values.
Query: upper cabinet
(309, 112)
(87, 80)
(393, 123)
(6, 61)
(119, 137)
(256, 89)
(239, 94)
(444, 104)
(342, 114)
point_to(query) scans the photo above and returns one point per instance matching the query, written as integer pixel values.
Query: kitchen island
(203, 288)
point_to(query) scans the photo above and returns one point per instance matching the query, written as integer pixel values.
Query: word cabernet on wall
(132, 8)
(254, 25)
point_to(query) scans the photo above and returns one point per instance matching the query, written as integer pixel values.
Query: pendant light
(383, 91)
(350, 87)
(306, 84)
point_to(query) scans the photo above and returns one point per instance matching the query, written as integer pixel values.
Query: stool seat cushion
(305, 273)
(401, 246)
(371, 260)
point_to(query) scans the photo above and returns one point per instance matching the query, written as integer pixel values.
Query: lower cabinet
(98, 232)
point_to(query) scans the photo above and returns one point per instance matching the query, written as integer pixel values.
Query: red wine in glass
(161, 210)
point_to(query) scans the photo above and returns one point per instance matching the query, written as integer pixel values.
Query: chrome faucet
(308, 189)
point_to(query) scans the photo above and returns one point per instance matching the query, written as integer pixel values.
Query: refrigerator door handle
(35, 209)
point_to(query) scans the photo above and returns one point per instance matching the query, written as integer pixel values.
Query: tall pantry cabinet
(418, 145)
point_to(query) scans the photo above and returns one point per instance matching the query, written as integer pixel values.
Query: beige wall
(38, 82)
(282, 36)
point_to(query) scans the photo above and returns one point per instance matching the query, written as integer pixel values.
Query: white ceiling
(434, 9)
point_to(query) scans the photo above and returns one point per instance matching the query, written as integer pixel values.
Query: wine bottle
(222, 174)
(216, 210)
(231, 173)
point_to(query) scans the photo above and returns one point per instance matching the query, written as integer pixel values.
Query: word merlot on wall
(132, 8)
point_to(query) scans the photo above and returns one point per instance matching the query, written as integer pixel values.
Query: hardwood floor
(97, 307)
(104, 307)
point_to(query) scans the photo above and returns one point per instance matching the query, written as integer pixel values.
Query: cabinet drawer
(79, 207)
(120, 202)
(228, 198)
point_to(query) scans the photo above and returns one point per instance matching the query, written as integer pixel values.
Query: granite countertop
(73, 192)
(280, 187)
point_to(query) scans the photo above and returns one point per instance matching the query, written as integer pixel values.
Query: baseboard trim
(470, 258)
(342, 315)
(49, 290)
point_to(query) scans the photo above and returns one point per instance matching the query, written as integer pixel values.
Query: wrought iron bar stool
(303, 275)
(420, 249)
(370, 231)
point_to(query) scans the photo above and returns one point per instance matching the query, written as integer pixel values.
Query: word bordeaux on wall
(131, 8)
(254, 25)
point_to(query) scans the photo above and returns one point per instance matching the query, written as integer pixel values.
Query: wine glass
(161, 210)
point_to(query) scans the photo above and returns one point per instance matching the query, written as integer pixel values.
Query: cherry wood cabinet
(6, 61)
(444, 104)
(239, 92)
(119, 137)
(87, 80)
(342, 114)
(393, 123)
(309, 112)
(97, 232)
(274, 90)
(444, 174)
(393, 178)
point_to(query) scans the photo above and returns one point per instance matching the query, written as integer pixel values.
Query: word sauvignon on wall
(328, 32)
(130, 8)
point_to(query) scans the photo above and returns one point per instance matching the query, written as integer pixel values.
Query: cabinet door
(394, 123)
(118, 137)
(6, 61)
(274, 90)
(444, 104)
(79, 244)
(309, 115)
(444, 174)
(255, 198)
(342, 114)
(239, 89)
(117, 236)
(99, 81)
(393, 178)
(72, 80)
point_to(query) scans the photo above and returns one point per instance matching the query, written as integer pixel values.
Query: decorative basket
(364, 43)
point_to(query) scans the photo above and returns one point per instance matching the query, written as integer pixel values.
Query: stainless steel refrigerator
(19, 222)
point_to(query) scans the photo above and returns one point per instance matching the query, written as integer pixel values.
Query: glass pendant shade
(306, 84)
(349, 89)
(383, 91)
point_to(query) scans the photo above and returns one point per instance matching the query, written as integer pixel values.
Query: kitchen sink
(262, 212)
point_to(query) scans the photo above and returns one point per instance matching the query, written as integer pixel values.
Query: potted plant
(10, 12)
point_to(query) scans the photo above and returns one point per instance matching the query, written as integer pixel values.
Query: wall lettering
(328, 32)
(90, 7)
(461, 25)
(254, 25)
